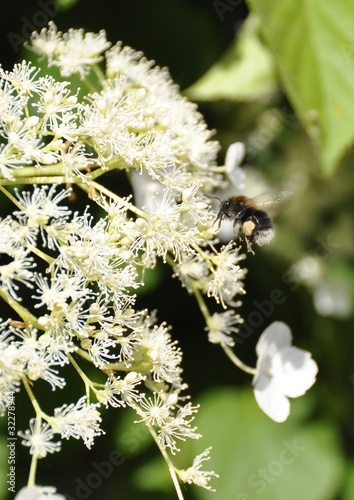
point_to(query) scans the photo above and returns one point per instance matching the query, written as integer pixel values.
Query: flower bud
(86, 344)
(48, 97)
(32, 121)
(187, 194)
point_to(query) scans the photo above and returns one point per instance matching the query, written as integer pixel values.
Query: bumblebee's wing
(267, 200)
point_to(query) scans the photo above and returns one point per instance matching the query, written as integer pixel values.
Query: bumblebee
(248, 219)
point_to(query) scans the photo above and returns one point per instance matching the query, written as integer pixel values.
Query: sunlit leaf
(245, 72)
(349, 483)
(313, 41)
(258, 458)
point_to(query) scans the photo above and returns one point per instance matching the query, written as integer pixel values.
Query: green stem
(40, 254)
(236, 361)
(201, 302)
(118, 367)
(107, 168)
(228, 351)
(45, 175)
(34, 460)
(88, 383)
(32, 472)
(26, 316)
(10, 197)
(49, 171)
(113, 196)
(91, 87)
(168, 461)
(99, 73)
(42, 180)
(163, 452)
(108, 366)
(32, 397)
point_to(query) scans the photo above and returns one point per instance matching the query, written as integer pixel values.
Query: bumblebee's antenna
(215, 197)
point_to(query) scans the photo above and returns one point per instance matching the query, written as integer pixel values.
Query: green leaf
(132, 438)
(313, 41)
(153, 475)
(349, 483)
(245, 72)
(258, 458)
(66, 4)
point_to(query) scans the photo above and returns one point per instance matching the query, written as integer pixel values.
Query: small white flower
(179, 427)
(11, 365)
(8, 160)
(127, 386)
(221, 326)
(42, 204)
(81, 420)
(282, 371)
(73, 52)
(190, 269)
(228, 275)
(165, 356)
(155, 411)
(194, 475)
(39, 438)
(17, 270)
(22, 78)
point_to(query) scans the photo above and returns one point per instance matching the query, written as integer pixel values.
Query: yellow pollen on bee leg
(248, 227)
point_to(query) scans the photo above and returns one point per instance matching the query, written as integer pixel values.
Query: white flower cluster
(80, 271)
(137, 123)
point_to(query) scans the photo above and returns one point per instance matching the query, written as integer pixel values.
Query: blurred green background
(278, 76)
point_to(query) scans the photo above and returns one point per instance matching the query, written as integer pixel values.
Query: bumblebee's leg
(234, 225)
(218, 220)
(239, 231)
(249, 241)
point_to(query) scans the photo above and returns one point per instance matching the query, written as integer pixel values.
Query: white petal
(270, 400)
(234, 156)
(294, 371)
(274, 338)
(263, 367)
(30, 493)
(27, 494)
(237, 178)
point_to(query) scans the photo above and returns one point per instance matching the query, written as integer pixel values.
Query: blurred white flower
(332, 297)
(282, 371)
(307, 271)
(234, 156)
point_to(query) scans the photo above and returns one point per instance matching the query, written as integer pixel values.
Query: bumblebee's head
(223, 212)
(225, 208)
